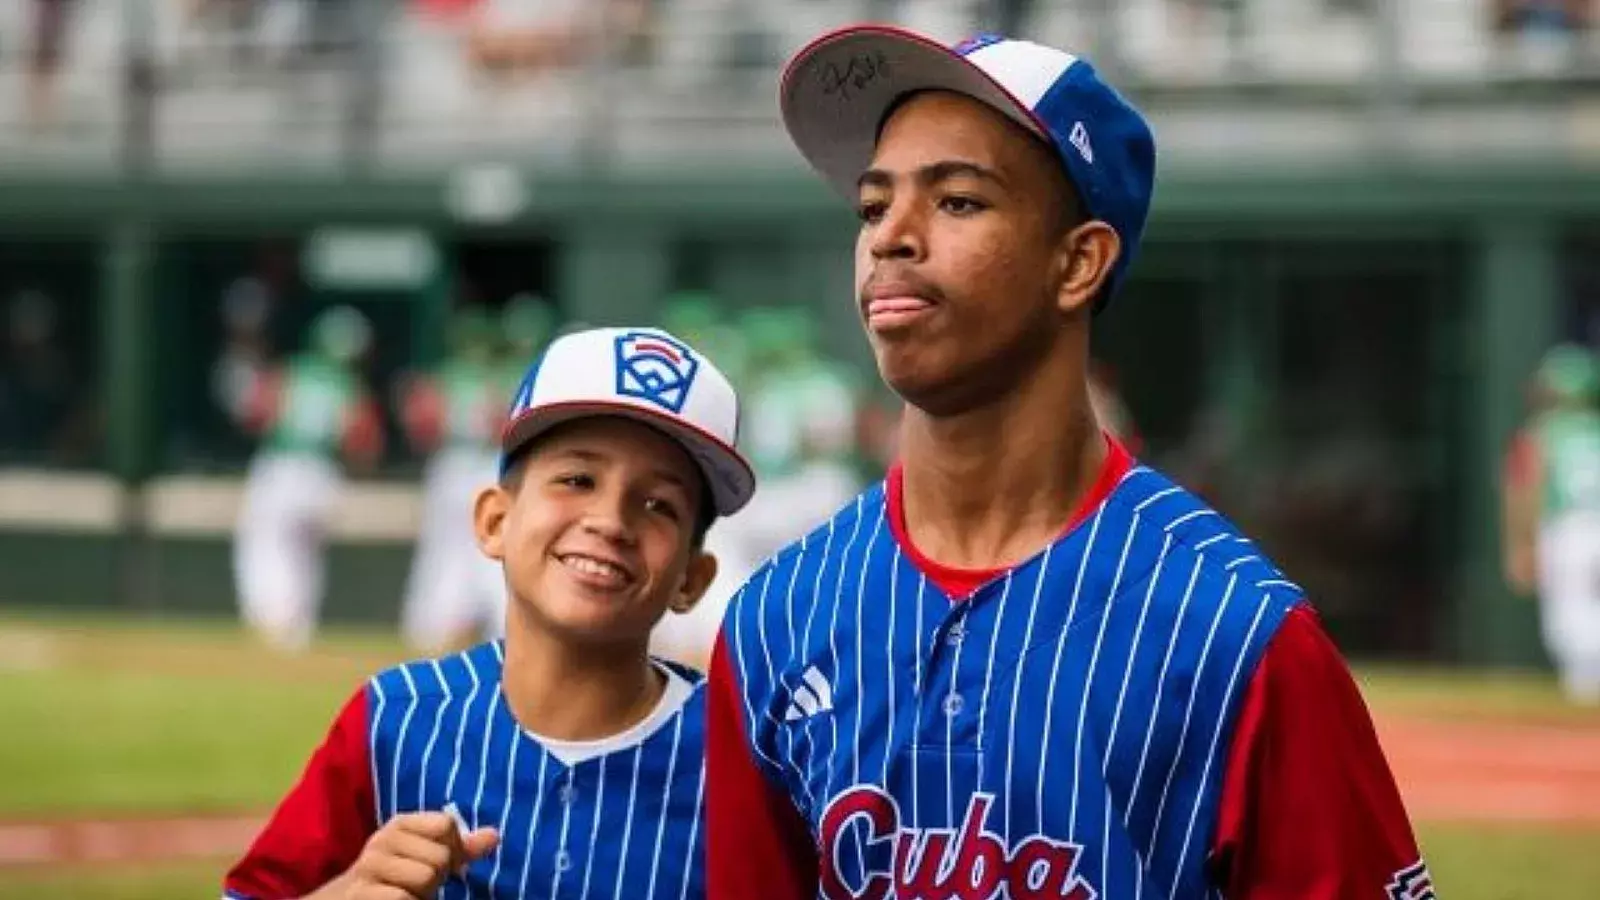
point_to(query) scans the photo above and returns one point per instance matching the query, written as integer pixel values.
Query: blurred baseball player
(454, 596)
(698, 318)
(1552, 509)
(309, 411)
(1025, 665)
(563, 761)
(802, 434)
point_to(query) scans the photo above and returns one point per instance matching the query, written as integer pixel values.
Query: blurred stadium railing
(1374, 215)
(203, 85)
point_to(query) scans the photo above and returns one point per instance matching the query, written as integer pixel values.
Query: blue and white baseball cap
(838, 89)
(644, 374)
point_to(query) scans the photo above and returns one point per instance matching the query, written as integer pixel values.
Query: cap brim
(729, 476)
(836, 91)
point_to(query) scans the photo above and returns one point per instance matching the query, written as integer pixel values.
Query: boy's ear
(489, 512)
(697, 580)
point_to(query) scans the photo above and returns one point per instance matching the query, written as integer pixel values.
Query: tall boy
(564, 760)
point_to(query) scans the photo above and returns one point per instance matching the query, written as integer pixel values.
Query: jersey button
(953, 704)
(563, 861)
(955, 635)
(567, 794)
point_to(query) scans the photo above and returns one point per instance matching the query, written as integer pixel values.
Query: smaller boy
(563, 761)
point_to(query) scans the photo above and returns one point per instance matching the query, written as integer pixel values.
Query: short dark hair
(705, 510)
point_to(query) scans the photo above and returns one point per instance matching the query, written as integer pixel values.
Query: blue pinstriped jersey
(1061, 733)
(621, 826)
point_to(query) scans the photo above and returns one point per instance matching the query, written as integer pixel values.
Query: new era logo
(814, 696)
(1080, 139)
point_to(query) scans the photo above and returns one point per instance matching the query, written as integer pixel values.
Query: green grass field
(159, 717)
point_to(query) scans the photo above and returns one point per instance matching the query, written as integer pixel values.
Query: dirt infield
(1491, 771)
(1448, 770)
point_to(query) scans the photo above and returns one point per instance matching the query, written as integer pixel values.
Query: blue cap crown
(837, 90)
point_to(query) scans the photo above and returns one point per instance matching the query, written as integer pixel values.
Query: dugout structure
(1335, 357)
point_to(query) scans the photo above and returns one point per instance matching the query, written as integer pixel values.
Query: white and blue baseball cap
(644, 374)
(838, 89)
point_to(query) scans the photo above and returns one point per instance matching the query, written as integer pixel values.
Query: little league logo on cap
(836, 92)
(652, 366)
(643, 374)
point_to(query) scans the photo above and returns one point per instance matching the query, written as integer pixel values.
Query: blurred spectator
(1551, 514)
(228, 32)
(330, 28)
(527, 323)
(50, 19)
(246, 311)
(43, 413)
(802, 428)
(510, 39)
(697, 318)
(1542, 35)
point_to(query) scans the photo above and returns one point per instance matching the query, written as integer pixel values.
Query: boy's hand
(412, 855)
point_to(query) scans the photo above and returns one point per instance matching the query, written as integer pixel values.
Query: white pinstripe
(666, 804)
(372, 748)
(694, 834)
(517, 742)
(627, 828)
(1016, 680)
(833, 646)
(811, 619)
(566, 820)
(1088, 681)
(1211, 752)
(737, 644)
(483, 761)
(594, 827)
(950, 721)
(1210, 540)
(400, 740)
(433, 736)
(1155, 708)
(1161, 680)
(461, 733)
(1236, 563)
(1116, 718)
(988, 672)
(916, 737)
(1055, 670)
(1193, 514)
(1145, 504)
(794, 650)
(1194, 690)
(794, 575)
(861, 675)
(892, 680)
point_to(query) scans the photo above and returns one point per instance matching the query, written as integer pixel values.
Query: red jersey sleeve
(319, 829)
(1309, 809)
(757, 845)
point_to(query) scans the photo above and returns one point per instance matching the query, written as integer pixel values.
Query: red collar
(961, 583)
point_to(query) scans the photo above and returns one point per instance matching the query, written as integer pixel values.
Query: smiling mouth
(595, 571)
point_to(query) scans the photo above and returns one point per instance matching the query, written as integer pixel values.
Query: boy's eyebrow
(593, 456)
(933, 174)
